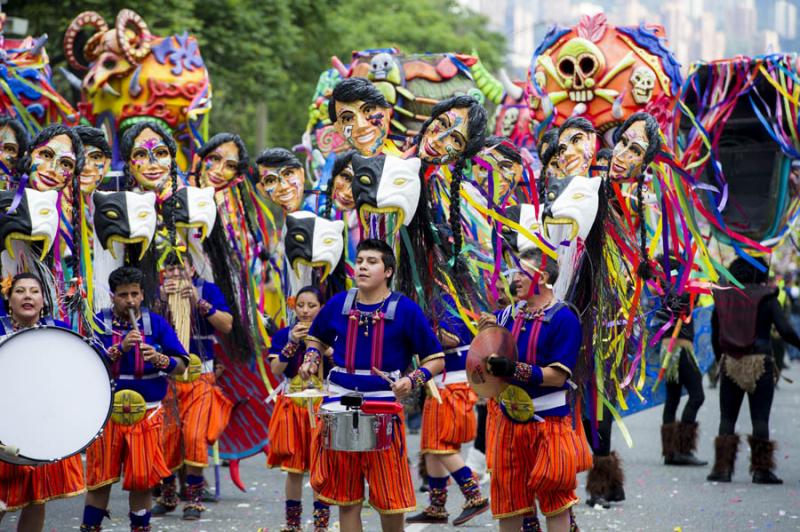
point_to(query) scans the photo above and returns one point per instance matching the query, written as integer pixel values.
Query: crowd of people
(362, 292)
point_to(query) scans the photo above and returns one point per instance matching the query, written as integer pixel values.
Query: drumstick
(382, 375)
(310, 405)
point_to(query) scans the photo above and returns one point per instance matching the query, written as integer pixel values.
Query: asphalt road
(660, 498)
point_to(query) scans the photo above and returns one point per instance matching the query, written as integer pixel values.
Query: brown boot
(669, 441)
(604, 478)
(686, 443)
(725, 448)
(762, 461)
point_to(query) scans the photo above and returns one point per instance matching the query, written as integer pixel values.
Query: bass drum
(56, 393)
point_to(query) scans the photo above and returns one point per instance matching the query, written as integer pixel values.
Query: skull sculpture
(643, 81)
(578, 62)
(509, 121)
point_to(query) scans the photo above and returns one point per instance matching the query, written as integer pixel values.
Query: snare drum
(349, 429)
(55, 394)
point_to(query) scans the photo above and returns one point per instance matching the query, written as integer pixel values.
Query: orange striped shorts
(446, 426)
(530, 461)
(338, 476)
(289, 437)
(171, 444)
(21, 486)
(138, 446)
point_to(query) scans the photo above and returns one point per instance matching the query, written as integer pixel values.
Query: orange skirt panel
(338, 476)
(448, 425)
(531, 461)
(133, 451)
(205, 412)
(171, 444)
(289, 437)
(21, 486)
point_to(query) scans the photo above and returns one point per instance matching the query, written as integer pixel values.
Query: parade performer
(370, 327)
(149, 153)
(679, 438)
(141, 352)
(290, 428)
(198, 312)
(534, 452)
(28, 487)
(13, 144)
(740, 333)
(446, 426)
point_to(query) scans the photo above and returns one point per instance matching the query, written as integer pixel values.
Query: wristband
(289, 350)
(171, 365)
(114, 352)
(312, 356)
(419, 377)
(528, 373)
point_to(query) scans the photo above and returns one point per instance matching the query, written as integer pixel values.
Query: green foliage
(271, 52)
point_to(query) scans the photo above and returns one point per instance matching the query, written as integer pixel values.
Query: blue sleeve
(322, 327)
(213, 295)
(567, 342)
(167, 339)
(279, 341)
(422, 338)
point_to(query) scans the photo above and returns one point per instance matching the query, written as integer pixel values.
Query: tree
(271, 52)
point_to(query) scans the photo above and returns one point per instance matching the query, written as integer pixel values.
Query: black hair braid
(645, 271)
(328, 194)
(455, 212)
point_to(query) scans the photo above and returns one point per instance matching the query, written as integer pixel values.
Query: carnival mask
(283, 185)
(505, 174)
(220, 166)
(363, 125)
(9, 152)
(94, 168)
(628, 158)
(34, 220)
(313, 241)
(527, 216)
(445, 139)
(124, 217)
(574, 208)
(575, 151)
(386, 185)
(342, 194)
(195, 209)
(52, 164)
(150, 161)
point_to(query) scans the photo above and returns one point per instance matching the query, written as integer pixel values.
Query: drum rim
(112, 382)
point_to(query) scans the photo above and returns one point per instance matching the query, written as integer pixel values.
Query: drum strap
(353, 319)
(147, 330)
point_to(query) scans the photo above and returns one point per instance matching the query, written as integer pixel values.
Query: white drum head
(55, 393)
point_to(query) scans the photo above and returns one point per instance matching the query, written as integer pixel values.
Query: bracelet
(114, 352)
(289, 350)
(419, 377)
(528, 373)
(162, 361)
(204, 307)
(312, 356)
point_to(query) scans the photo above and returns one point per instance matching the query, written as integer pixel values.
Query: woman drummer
(30, 487)
(290, 425)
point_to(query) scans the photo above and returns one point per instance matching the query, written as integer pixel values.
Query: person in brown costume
(740, 335)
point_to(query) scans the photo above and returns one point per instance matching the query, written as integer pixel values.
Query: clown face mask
(52, 164)
(220, 166)
(386, 186)
(628, 158)
(446, 138)
(575, 151)
(283, 185)
(342, 194)
(126, 218)
(572, 213)
(9, 153)
(506, 174)
(313, 241)
(150, 161)
(94, 168)
(363, 125)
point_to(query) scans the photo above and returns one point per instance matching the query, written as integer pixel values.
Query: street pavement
(659, 498)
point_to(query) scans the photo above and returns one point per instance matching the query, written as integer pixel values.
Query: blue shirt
(279, 341)
(558, 345)
(409, 333)
(153, 383)
(204, 336)
(5, 331)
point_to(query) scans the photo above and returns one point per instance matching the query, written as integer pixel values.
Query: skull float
(604, 73)
(130, 74)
